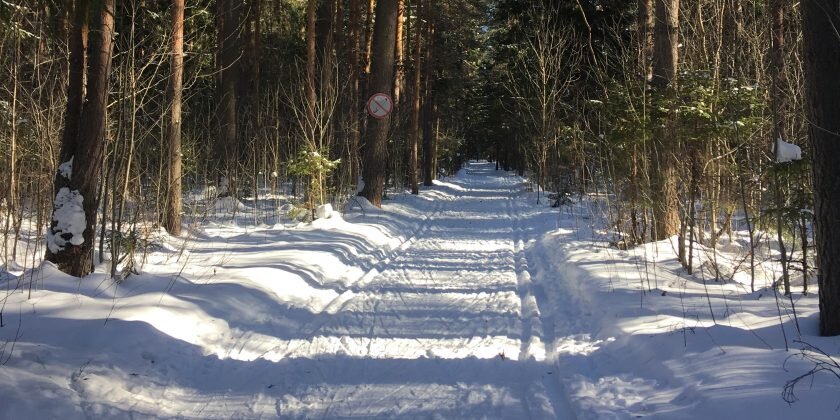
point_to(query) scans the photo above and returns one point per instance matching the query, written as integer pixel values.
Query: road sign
(380, 105)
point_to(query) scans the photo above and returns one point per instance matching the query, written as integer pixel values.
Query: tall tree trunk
(777, 98)
(311, 37)
(76, 83)
(414, 130)
(70, 239)
(428, 112)
(645, 24)
(820, 20)
(172, 213)
(644, 19)
(354, 63)
(369, 33)
(249, 70)
(324, 37)
(227, 148)
(338, 24)
(398, 52)
(666, 31)
(732, 29)
(323, 78)
(382, 80)
(776, 68)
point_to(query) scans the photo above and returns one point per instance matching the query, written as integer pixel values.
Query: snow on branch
(788, 152)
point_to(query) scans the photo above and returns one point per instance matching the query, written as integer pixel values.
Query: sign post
(380, 105)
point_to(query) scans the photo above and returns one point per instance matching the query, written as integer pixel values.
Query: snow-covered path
(467, 301)
(425, 310)
(447, 326)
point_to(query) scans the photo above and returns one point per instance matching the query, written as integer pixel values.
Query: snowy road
(423, 310)
(448, 326)
(468, 301)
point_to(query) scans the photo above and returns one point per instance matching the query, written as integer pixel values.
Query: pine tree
(382, 81)
(820, 20)
(70, 238)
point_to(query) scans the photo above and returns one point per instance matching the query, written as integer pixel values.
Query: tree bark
(324, 36)
(776, 68)
(665, 56)
(248, 98)
(428, 112)
(172, 213)
(338, 24)
(77, 178)
(311, 36)
(76, 83)
(645, 24)
(369, 32)
(354, 103)
(777, 98)
(398, 52)
(227, 147)
(382, 80)
(414, 130)
(820, 18)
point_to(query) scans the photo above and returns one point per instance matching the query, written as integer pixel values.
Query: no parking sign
(380, 105)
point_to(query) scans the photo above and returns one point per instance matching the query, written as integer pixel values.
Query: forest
(692, 122)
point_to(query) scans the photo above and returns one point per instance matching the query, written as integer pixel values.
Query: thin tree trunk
(414, 131)
(227, 148)
(172, 213)
(311, 36)
(435, 138)
(248, 110)
(645, 24)
(12, 192)
(382, 80)
(324, 19)
(354, 63)
(428, 111)
(398, 52)
(369, 32)
(666, 31)
(338, 24)
(776, 68)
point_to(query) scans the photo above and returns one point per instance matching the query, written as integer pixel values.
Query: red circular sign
(380, 105)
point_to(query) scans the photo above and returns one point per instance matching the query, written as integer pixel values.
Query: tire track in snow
(339, 302)
(376, 271)
(481, 383)
(400, 250)
(536, 398)
(537, 340)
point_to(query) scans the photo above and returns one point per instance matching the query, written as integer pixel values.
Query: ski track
(459, 290)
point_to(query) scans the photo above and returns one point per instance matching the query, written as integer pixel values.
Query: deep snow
(468, 301)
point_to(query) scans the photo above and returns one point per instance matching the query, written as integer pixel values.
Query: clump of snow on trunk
(66, 168)
(68, 220)
(788, 152)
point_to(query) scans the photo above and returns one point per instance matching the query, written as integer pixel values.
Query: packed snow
(468, 301)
